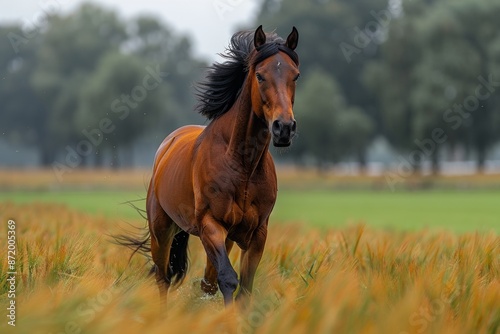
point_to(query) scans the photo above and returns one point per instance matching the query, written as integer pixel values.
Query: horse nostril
(276, 128)
(294, 126)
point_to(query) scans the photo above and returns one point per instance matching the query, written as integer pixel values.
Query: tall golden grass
(71, 279)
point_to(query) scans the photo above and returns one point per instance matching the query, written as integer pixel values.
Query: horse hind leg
(162, 229)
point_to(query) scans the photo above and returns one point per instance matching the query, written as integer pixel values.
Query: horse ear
(259, 38)
(293, 39)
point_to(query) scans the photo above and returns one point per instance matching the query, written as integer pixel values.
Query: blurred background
(394, 94)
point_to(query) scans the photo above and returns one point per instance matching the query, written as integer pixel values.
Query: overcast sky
(210, 23)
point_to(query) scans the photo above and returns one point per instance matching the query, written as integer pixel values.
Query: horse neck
(249, 135)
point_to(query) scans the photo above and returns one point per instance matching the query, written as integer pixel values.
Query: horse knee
(227, 280)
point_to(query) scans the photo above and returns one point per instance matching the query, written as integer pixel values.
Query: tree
(391, 78)
(86, 72)
(337, 37)
(355, 132)
(331, 129)
(124, 95)
(476, 24)
(425, 82)
(22, 116)
(70, 49)
(155, 44)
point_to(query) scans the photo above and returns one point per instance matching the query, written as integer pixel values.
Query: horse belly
(177, 202)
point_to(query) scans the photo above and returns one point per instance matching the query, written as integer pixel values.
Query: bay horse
(219, 182)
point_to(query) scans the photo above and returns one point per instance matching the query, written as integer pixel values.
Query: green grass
(457, 211)
(107, 203)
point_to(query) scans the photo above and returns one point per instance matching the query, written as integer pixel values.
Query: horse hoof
(208, 288)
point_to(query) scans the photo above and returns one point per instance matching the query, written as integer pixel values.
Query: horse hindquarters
(168, 242)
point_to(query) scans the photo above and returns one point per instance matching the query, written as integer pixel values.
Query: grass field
(70, 279)
(336, 260)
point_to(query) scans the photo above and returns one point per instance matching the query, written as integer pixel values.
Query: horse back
(183, 136)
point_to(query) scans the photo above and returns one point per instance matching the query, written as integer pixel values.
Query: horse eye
(259, 77)
(297, 77)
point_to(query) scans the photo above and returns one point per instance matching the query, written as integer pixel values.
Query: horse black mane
(223, 82)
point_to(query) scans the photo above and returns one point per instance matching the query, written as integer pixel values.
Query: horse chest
(241, 221)
(241, 211)
(239, 206)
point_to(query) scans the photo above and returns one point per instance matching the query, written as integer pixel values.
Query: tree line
(88, 84)
(423, 74)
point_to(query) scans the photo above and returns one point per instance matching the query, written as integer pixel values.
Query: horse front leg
(250, 260)
(213, 237)
(209, 281)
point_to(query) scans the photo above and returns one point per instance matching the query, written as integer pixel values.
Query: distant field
(460, 203)
(456, 211)
(288, 178)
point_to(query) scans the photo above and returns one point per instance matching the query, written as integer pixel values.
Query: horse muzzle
(283, 132)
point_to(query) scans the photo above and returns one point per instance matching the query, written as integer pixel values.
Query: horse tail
(179, 259)
(139, 243)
